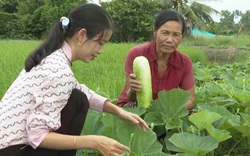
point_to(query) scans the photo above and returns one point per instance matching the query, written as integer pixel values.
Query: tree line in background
(134, 19)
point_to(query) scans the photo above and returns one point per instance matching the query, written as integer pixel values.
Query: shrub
(6, 24)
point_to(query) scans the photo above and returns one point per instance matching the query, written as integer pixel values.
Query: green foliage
(198, 119)
(7, 21)
(193, 144)
(227, 22)
(223, 115)
(133, 19)
(246, 21)
(227, 88)
(131, 136)
(220, 89)
(33, 19)
(169, 105)
(13, 54)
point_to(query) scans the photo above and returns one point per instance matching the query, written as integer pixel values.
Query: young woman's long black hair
(91, 17)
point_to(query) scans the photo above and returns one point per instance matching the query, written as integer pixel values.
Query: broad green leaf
(155, 117)
(242, 96)
(111, 123)
(235, 121)
(138, 110)
(93, 123)
(170, 103)
(203, 117)
(111, 120)
(246, 118)
(157, 154)
(148, 154)
(225, 114)
(193, 144)
(183, 154)
(214, 90)
(172, 123)
(221, 101)
(243, 128)
(229, 127)
(202, 74)
(130, 135)
(186, 123)
(168, 108)
(219, 135)
(171, 147)
(93, 126)
(247, 110)
(140, 142)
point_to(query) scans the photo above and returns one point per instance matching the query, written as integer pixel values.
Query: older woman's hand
(134, 85)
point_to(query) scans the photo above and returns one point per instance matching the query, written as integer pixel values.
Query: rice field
(104, 75)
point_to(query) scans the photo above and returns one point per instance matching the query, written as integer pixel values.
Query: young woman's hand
(109, 147)
(133, 119)
(125, 115)
(106, 146)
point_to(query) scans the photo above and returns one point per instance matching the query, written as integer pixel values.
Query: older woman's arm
(190, 103)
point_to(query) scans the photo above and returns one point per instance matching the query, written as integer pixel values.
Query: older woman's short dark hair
(169, 15)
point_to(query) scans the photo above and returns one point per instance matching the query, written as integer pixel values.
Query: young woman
(44, 110)
(169, 67)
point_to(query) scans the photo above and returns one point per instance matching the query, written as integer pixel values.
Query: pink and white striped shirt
(31, 106)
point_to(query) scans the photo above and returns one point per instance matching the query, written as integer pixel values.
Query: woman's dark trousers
(73, 117)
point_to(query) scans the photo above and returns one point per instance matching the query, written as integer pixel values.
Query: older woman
(169, 67)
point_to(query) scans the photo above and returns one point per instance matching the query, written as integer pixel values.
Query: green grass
(195, 54)
(12, 57)
(105, 74)
(218, 42)
(216, 48)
